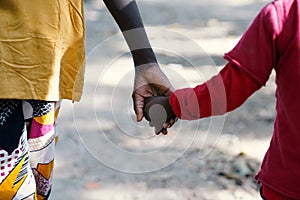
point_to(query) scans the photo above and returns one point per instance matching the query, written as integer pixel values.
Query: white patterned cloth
(26, 168)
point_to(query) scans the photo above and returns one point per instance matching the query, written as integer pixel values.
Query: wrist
(143, 56)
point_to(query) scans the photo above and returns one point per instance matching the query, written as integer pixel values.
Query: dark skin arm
(127, 16)
(149, 79)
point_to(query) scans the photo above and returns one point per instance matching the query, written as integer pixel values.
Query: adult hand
(149, 81)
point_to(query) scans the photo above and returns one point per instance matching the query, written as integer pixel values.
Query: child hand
(159, 113)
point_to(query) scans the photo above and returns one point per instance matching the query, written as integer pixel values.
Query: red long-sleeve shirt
(271, 42)
(222, 93)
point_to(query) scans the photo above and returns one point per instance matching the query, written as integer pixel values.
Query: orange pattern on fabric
(46, 119)
(7, 190)
(40, 197)
(46, 169)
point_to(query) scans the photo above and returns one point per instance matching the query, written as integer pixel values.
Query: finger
(139, 115)
(164, 131)
(157, 132)
(138, 107)
(162, 90)
(169, 91)
(166, 125)
(173, 121)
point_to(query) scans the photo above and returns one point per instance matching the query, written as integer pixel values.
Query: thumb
(138, 107)
(139, 116)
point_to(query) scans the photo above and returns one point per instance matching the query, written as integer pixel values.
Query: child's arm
(195, 103)
(149, 79)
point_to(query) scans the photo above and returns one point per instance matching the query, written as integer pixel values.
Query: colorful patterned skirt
(27, 145)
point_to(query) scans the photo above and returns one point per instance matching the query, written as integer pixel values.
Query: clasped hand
(151, 97)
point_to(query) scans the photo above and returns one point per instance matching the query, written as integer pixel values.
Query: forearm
(127, 16)
(208, 99)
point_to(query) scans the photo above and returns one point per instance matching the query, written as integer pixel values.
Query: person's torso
(41, 49)
(282, 162)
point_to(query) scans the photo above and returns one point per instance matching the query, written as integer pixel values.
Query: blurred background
(103, 154)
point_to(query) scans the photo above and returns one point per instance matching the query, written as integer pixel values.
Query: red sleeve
(222, 93)
(256, 52)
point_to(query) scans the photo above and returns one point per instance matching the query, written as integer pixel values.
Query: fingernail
(166, 125)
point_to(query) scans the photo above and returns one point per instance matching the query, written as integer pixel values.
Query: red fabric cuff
(186, 104)
(175, 105)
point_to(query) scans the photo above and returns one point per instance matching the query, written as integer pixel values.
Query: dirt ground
(103, 154)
